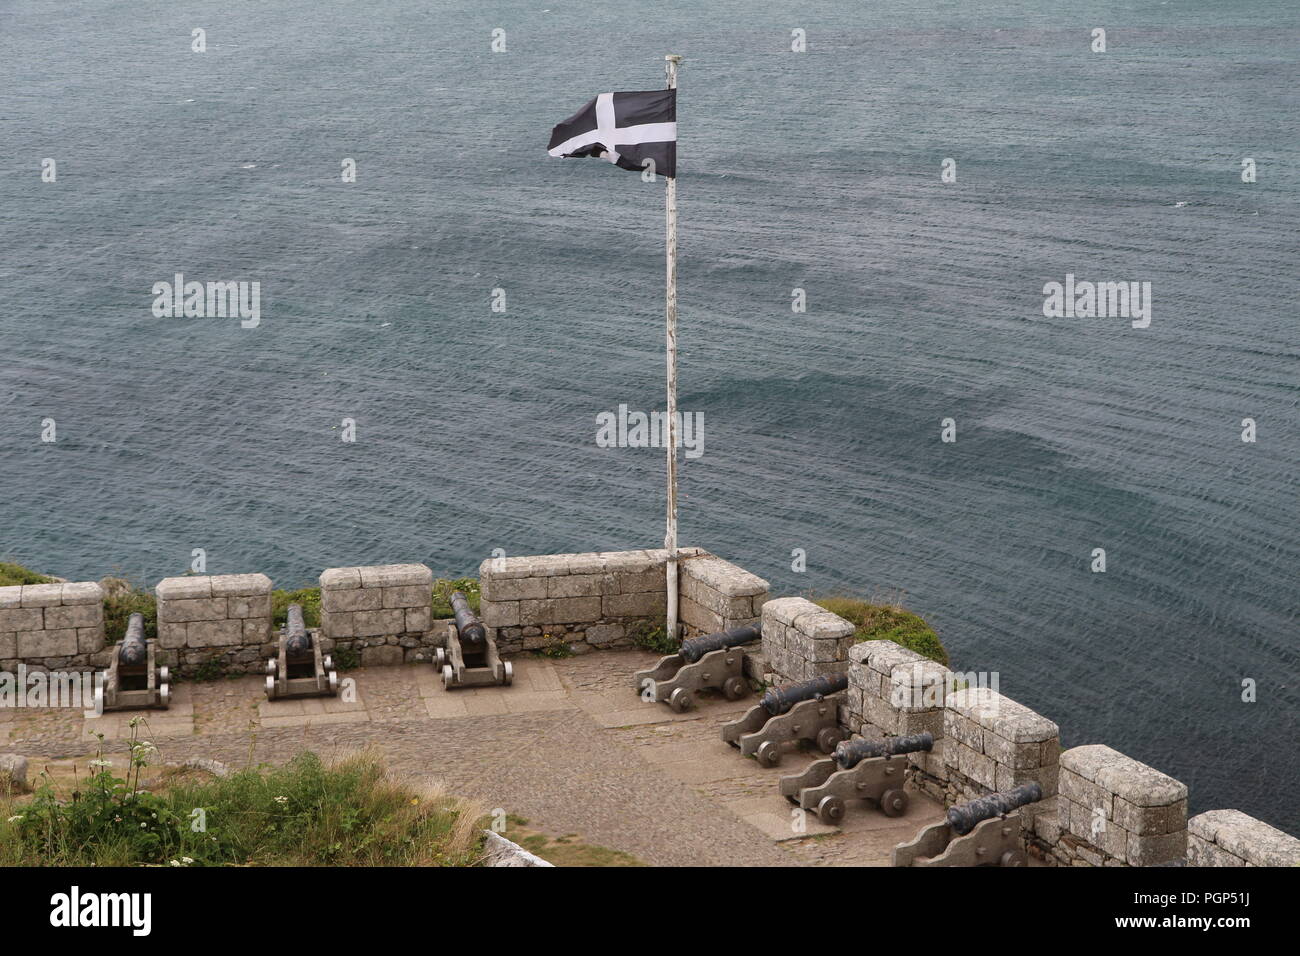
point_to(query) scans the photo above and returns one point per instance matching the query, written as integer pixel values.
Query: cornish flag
(628, 129)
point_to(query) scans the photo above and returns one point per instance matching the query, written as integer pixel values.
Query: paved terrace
(570, 747)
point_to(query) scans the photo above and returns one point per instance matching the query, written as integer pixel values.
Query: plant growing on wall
(309, 598)
(652, 637)
(887, 622)
(441, 600)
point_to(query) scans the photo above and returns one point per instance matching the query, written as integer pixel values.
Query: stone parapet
(716, 595)
(802, 640)
(382, 612)
(221, 620)
(56, 626)
(894, 691)
(1113, 810)
(993, 744)
(587, 600)
(1231, 838)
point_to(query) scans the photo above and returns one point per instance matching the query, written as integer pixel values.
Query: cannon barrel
(963, 817)
(849, 753)
(133, 650)
(468, 626)
(296, 641)
(778, 700)
(697, 647)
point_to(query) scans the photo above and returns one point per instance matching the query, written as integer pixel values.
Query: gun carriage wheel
(893, 803)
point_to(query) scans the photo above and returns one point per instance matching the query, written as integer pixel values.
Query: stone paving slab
(778, 827)
(307, 707)
(176, 721)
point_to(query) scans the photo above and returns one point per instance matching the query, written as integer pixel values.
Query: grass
(888, 622)
(121, 600)
(15, 574)
(568, 850)
(442, 589)
(306, 813)
(309, 598)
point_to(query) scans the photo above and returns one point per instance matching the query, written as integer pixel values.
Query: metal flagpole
(670, 314)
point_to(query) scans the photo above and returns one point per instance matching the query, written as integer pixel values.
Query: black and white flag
(631, 130)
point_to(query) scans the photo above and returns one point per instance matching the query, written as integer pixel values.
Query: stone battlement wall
(57, 626)
(1100, 807)
(382, 613)
(220, 618)
(600, 599)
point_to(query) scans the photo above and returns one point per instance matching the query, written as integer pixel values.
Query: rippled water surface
(818, 170)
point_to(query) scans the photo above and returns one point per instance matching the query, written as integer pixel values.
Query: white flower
(174, 863)
(186, 860)
(15, 819)
(101, 763)
(281, 799)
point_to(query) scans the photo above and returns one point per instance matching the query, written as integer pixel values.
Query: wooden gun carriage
(714, 661)
(871, 770)
(133, 680)
(299, 669)
(982, 832)
(798, 712)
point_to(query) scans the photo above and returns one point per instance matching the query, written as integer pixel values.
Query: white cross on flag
(636, 131)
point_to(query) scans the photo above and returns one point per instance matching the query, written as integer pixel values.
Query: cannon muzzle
(964, 817)
(468, 625)
(778, 700)
(297, 643)
(133, 651)
(849, 753)
(697, 647)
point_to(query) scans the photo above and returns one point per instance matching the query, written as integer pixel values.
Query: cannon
(858, 770)
(132, 681)
(470, 658)
(299, 669)
(712, 660)
(796, 712)
(983, 832)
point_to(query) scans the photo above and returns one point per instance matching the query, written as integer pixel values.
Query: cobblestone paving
(569, 747)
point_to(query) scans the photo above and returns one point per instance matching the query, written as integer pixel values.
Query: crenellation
(1126, 811)
(596, 598)
(58, 625)
(1231, 838)
(212, 618)
(1098, 807)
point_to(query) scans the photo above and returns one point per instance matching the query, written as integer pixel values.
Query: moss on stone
(442, 589)
(888, 622)
(309, 598)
